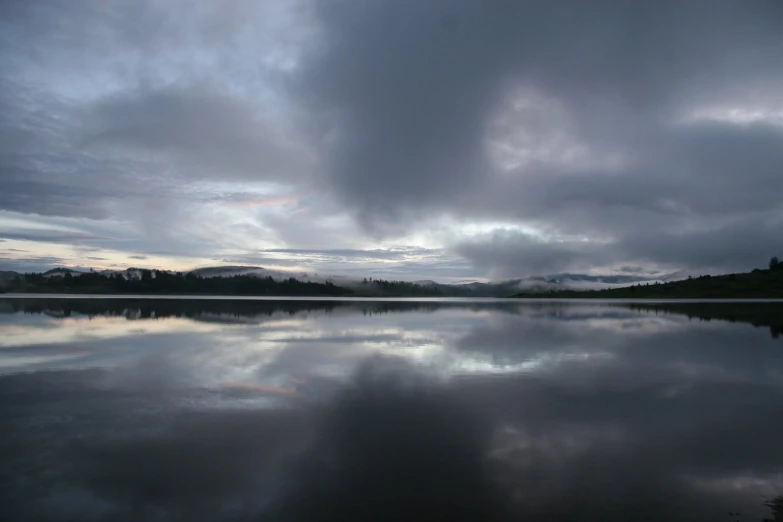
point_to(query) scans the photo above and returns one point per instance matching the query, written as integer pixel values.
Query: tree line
(163, 282)
(400, 288)
(160, 282)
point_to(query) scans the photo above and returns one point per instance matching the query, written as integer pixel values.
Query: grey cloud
(413, 108)
(113, 36)
(408, 114)
(46, 172)
(31, 264)
(257, 260)
(212, 133)
(740, 245)
(89, 131)
(48, 201)
(397, 110)
(509, 254)
(54, 236)
(692, 176)
(40, 172)
(138, 257)
(351, 253)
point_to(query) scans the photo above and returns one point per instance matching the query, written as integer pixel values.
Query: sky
(404, 138)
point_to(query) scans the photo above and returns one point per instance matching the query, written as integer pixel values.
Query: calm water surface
(313, 410)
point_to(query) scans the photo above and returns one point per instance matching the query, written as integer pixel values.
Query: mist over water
(203, 410)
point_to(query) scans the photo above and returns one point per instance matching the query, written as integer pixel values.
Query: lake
(308, 410)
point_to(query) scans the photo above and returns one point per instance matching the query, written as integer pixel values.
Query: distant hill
(758, 284)
(358, 286)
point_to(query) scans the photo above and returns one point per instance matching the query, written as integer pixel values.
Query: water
(389, 410)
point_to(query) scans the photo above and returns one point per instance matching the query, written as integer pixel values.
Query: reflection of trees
(160, 308)
(757, 314)
(216, 308)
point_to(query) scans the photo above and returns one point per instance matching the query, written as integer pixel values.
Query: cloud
(410, 131)
(51, 235)
(275, 202)
(349, 253)
(211, 132)
(727, 245)
(589, 125)
(507, 254)
(31, 263)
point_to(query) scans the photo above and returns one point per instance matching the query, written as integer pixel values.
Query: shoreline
(38, 295)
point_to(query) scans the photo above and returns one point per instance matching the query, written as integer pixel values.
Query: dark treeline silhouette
(160, 282)
(400, 288)
(776, 506)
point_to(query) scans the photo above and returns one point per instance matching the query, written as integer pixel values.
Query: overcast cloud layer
(416, 139)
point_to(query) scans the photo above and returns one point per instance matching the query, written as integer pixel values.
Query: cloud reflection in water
(544, 412)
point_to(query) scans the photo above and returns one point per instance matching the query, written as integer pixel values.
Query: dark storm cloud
(410, 90)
